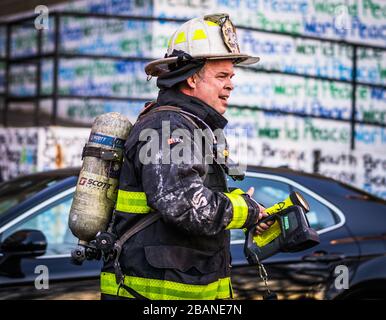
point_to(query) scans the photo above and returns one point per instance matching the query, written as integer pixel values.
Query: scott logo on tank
(91, 182)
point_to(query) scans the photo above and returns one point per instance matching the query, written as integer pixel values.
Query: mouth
(224, 98)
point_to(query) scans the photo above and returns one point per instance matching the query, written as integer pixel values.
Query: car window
(53, 222)
(319, 216)
(15, 191)
(267, 192)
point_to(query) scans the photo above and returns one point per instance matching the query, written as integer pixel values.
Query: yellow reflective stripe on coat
(155, 289)
(132, 202)
(240, 209)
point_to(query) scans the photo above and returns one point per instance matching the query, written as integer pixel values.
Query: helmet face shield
(212, 37)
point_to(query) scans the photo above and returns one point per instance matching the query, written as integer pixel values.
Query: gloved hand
(260, 228)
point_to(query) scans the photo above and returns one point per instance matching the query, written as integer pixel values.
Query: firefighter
(185, 253)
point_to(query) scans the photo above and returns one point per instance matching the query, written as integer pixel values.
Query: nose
(229, 85)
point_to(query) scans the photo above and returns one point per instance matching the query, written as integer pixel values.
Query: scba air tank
(97, 187)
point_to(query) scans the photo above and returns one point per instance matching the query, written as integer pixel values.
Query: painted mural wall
(27, 150)
(294, 107)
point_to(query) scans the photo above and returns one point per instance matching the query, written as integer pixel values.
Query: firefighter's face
(213, 84)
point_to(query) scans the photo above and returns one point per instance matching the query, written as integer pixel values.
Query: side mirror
(25, 243)
(31, 243)
(21, 244)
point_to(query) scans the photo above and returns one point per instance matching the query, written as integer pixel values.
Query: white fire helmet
(212, 37)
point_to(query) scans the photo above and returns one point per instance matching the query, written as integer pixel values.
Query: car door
(305, 274)
(51, 275)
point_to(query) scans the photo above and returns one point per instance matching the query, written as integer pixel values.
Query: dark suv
(349, 262)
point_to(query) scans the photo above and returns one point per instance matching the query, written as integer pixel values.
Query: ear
(191, 82)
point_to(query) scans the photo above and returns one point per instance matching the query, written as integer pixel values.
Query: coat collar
(174, 97)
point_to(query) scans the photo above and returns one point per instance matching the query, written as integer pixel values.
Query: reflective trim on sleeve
(155, 289)
(132, 202)
(240, 209)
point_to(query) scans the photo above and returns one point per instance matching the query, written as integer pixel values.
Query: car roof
(325, 186)
(69, 180)
(287, 172)
(65, 172)
(318, 183)
(310, 180)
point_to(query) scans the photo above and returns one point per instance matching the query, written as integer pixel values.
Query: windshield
(15, 191)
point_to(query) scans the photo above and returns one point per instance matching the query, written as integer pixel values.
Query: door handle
(323, 256)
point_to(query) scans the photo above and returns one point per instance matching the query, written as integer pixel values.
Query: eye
(222, 76)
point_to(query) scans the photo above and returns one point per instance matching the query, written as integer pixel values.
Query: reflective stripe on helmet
(240, 209)
(199, 34)
(155, 289)
(132, 202)
(181, 37)
(211, 23)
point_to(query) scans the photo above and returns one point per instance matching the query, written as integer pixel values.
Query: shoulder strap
(185, 114)
(140, 225)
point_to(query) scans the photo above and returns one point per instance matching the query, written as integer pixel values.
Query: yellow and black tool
(290, 232)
